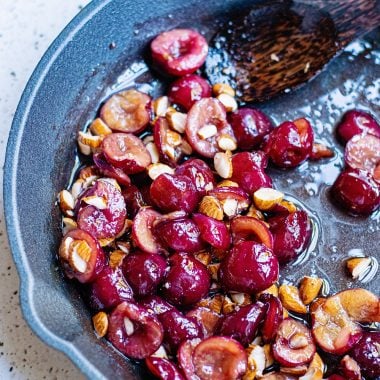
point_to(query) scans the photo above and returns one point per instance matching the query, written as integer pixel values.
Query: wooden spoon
(279, 45)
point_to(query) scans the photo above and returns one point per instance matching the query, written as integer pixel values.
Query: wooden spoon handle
(352, 18)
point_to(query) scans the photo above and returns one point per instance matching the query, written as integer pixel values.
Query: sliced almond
(105, 242)
(100, 322)
(160, 353)
(223, 165)
(227, 183)
(77, 188)
(186, 147)
(89, 139)
(256, 362)
(291, 300)
(213, 270)
(269, 360)
(64, 248)
(161, 105)
(253, 212)
(358, 265)
(315, 370)
(173, 138)
(88, 172)
(116, 258)
(79, 255)
(297, 371)
(177, 121)
(84, 149)
(310, 288)
(68, 225)
(215, 303)
(273, 289)
(229, 102)
(66, 201)
(99, 202)
(148, 139)
(124, 246)
(228, 306)
(230, 207)
(153, 151)
(211, 206)
(99, 128)
(155, 170)
(204, 257)
(285, 313)
(290, 206)
(222, 88)
(241, 299)
(128, 326)
(266, 198)
(209, 130)
(227, 142)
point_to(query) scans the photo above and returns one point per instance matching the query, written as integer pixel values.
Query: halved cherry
(101, 209)
(81, 256)
(207, 319)
(243, 324)
(273, 317)
(178, 328)
(126, 111)
(156, 305)
(213, 231)
(332, 327)
(134, 331)
(185, 358)
(355, 122)
(249, 228)
(109, 289)
(144, 271)
(133, 199)
(179, 51)
(126, 151)
(111, 171)
(174, 193)
(362, 152)
(207, 113)
(142, 233)
(293, 345)
(249, 267)
(219, 358)
(163, 368)
(186, 90)
(167, 141)
(200, 174)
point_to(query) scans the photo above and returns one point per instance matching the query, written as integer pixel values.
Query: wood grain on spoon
(278, 45)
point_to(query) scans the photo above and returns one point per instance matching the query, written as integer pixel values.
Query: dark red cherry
(249, 267)
(109, 289)
(144, 271)
(366, 354)
(213, 231)
(207, 319)
(187, 281)
(355, 122)
(273, 317)
(108, 170)
(219, 358)
(134, 331)
(179, 51)
(356, 192)
(156, 305)
(290, 144)
(163, 369)
(186, 90)
(248, 171)
(185, 358)
(179, 235)
(133, 199)
(178, 328)
(174, 193)
(243, 324)
(199, 173)
(291, 235)
(250, 125)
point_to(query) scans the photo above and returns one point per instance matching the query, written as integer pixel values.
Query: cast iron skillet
(64, 93)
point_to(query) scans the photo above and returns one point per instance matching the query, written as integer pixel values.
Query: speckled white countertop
(27, 27)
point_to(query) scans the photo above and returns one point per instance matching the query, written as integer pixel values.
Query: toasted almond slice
(154, 170)
(77, 188)
(310, 288)
(209, 130)
(160, 353)
(256, 362)
(153, 151)
(241, 299)
(64, 249)
(88, 172)
(230, 207)
(99, 202)
(99, 128)
(266, 198)
(66, 201)
(227, 142)
(297, 371)
(290, 298)
(228, 306)
(186, 147)
(229, 102)
(290, 206)
(89, 140)
(84, 149)
(148, 139)
(100, 322)
(204, 257)
(213, 270)
(68, 225)
(315, 370)
(285, 313)
(227, 183)
(173, 138)
(105, 242)
(116, 258)
(124, 246)
(358, 265)
(78, 263)
(211, 206)
(128, 326)
(269, 360)
(222, 88)
(82, 249)
(273, 289)
(177, 121)
(255, 213)
(223, 165)
(161, 105)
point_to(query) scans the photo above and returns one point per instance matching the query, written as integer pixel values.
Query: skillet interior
(65, 92)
